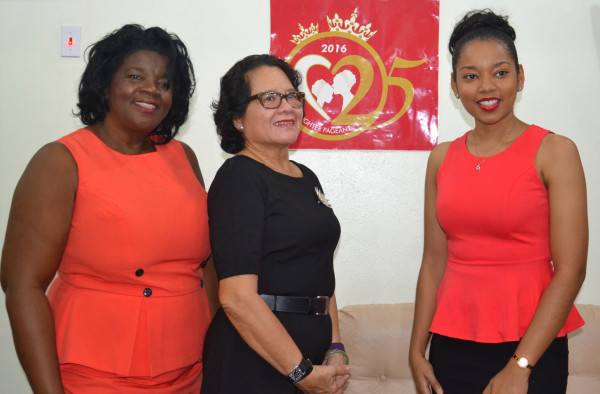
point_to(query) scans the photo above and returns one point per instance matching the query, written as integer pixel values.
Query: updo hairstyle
(482, 25)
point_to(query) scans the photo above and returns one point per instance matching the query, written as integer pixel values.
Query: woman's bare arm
(36, 236)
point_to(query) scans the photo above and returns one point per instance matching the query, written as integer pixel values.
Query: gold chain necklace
(479, 163)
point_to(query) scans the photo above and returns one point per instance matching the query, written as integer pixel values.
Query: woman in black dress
(273, 235)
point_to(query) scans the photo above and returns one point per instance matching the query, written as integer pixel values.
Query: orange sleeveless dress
(128, 301)
(497, 226)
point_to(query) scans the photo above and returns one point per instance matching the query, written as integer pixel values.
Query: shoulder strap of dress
(454, 149)
(173, 147)
(530, 140)
(77, 141)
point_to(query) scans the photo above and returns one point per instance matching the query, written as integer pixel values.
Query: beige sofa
(377, 337)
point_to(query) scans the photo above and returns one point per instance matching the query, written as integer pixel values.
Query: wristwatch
(522, 362)
(300, 371)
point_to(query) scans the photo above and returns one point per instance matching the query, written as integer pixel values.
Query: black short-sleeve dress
(275, 226)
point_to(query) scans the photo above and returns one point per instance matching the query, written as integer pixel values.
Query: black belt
(307, 305)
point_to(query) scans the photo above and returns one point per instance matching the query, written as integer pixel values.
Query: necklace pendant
(478, 168)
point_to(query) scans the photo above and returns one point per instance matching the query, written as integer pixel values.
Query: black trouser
(465, 367)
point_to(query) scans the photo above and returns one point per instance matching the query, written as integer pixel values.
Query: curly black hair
(482, 25)
(108, 54)
(233, 98)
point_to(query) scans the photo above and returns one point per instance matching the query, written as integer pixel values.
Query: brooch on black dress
(322, 198)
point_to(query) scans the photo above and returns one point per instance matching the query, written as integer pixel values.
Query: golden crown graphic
(305, 33)
(350, 26)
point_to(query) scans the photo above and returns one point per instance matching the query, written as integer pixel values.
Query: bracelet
(338, 346)
(331, 352)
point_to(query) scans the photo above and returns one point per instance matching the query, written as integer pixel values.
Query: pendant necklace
(479, 163)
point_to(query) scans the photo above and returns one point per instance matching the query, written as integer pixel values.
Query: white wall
(377, 195)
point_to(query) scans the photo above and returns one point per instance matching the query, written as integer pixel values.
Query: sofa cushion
(377, 337)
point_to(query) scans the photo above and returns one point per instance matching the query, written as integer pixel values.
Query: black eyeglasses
(272, 100)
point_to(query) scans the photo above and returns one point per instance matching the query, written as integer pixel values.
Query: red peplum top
(128, 297)
(497, 225)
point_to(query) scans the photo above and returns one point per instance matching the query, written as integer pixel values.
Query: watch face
(300, 371)
(296, 374)
(522, 362)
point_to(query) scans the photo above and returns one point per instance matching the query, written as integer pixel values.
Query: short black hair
(482, 25)
(109, 53)
(233, 98)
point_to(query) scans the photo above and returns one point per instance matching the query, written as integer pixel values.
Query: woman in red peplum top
(506, 235)
(118, 210)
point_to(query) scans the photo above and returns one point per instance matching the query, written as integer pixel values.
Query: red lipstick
(489, 103)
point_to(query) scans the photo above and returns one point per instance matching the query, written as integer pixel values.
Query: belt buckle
(326, 306)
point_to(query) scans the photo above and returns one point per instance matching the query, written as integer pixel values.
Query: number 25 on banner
(372, 78)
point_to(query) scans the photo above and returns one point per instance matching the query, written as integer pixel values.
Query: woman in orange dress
(506, 235)
(118, 210)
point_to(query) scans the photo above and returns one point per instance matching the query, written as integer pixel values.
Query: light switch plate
(70, 44)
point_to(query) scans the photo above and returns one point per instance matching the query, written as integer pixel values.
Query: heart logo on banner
(350, 96)
(320, 86)
(321, 91)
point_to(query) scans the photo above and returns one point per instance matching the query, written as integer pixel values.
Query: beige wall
(377, 195)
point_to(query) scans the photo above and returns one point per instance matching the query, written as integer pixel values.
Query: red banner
(369, 67)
